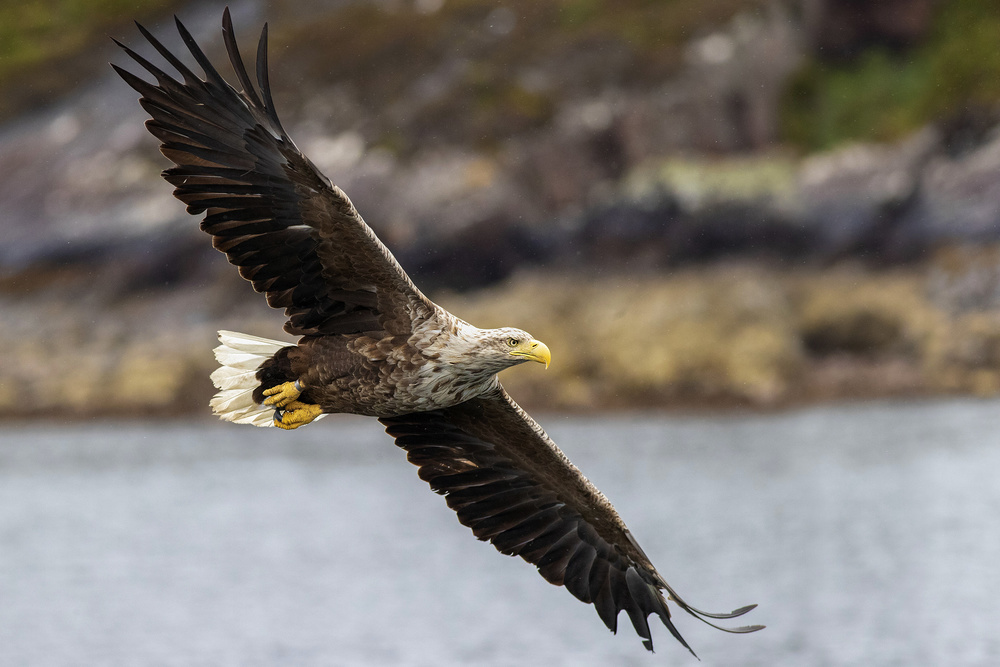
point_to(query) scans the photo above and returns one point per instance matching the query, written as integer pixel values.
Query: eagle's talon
(296, 414)
(282, 395)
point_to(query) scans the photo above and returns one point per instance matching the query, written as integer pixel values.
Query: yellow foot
(282, 395)
(296, 414)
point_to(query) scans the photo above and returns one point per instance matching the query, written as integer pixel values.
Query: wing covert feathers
(292, 233)
(511, 485)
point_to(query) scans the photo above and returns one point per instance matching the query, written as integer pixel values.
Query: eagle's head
(497, 349)
(521, 346)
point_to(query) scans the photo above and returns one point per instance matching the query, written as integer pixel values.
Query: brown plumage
(370, 343)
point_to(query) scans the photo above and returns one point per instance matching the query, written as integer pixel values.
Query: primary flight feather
(371, 343)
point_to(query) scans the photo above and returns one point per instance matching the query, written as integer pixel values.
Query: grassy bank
(744, 335)
(722, 336)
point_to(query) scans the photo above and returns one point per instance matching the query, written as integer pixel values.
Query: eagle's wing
(293, 234)
(512, 485)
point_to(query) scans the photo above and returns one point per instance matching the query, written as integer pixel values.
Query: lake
(868, 534)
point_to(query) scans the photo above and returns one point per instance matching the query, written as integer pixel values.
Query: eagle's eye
(513, 342)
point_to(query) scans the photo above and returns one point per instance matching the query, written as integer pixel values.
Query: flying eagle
(371, 343)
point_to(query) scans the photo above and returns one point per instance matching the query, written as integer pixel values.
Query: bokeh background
(721, 203)
(761, 238)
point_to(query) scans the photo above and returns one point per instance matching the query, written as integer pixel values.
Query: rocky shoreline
(759, 281)
(655, 234)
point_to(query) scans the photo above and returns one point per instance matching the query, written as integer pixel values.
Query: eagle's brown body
(370, 343)
(379, 374)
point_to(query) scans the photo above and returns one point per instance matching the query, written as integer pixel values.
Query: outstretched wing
(512, 485)
(293, 234)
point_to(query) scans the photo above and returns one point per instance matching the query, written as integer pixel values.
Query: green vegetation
(883, 95)
(34, 32)
(700, 181)
(41, 43)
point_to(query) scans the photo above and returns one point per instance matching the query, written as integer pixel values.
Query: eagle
(370, 343)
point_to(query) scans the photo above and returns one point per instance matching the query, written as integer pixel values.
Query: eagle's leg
(297, 414)
(282, 395)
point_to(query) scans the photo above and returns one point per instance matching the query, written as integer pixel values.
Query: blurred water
(868, 534)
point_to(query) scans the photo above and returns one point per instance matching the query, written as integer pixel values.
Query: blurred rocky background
(693, 202)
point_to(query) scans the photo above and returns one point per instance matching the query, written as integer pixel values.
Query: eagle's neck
(455, 369)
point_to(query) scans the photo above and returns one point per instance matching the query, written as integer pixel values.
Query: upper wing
(291, 232)
(512, 486)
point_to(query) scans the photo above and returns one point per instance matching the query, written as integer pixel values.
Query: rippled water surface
(869, 535)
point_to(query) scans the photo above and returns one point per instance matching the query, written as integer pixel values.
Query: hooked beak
(534, 350)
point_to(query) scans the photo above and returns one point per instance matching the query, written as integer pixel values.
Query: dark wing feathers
(295, 236)
(511, 485)
(298, 239)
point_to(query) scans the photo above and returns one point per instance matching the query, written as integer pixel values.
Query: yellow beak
(534, 350)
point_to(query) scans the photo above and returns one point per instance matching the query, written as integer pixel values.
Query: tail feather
(240, 359)
(241, 355)
(226, 377)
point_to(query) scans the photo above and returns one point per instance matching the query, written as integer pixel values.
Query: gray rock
(858, 197)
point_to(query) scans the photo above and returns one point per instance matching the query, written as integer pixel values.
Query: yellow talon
(282, 395)
(297, 414)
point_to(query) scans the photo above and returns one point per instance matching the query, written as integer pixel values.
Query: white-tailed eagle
(371, 343)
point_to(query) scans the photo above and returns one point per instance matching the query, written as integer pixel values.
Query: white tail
(241, 355)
